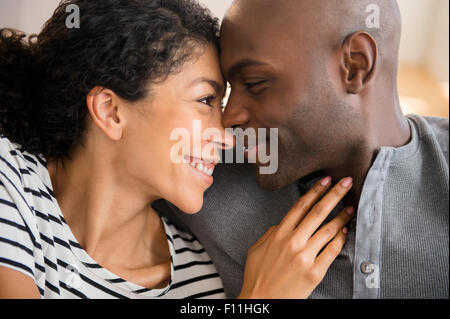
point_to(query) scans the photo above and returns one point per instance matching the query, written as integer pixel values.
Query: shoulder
(8, 161)
(18, 226)
(440, 127)
(24, 173)
(436, 127)
(22, 190)
(12, 167)
(14, 160)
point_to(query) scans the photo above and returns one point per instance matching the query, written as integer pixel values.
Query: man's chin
(283, 178)
(269, 182)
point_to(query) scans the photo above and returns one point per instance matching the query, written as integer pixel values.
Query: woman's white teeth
(203, 168)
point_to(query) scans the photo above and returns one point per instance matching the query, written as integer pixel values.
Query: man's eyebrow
(219, 88)
(238, 66)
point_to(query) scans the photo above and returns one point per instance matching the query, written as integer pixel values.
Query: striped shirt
(36, 241)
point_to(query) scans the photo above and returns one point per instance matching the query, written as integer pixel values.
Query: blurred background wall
(424, 56)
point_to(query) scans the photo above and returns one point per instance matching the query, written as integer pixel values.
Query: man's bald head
(328, 21)
(320, 71)
(350, 16)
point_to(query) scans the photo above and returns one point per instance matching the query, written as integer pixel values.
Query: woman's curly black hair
(122, 45)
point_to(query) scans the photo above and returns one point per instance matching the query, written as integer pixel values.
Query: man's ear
(103, 105)
(358, 61)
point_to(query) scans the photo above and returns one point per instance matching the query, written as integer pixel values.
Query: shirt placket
(367, 262)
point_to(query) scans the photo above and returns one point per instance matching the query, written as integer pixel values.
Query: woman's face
(154, 152)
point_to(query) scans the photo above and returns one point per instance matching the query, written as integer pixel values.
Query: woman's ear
(359, 57)
(104, 107)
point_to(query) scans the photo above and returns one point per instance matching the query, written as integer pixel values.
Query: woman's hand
(291, 259)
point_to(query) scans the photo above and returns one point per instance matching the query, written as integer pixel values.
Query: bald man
(326, 77)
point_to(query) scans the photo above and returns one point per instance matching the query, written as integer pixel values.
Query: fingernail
(347, 182)
(350, 210)
(344, 230)
(326, 181)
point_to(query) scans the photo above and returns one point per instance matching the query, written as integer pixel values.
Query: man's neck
(390, 133)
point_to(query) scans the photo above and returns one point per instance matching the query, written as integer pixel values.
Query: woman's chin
(190, 206)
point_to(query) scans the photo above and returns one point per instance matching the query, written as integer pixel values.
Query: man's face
(284, 78)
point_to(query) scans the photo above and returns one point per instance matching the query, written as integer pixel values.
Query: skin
(289, 261)
(110, 228)
(314, 71)
(124, 165)
(111, 216)
(292, 258)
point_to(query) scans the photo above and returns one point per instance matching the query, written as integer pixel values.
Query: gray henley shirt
(398, 245)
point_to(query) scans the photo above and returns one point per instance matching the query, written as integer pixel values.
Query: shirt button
(367, 268)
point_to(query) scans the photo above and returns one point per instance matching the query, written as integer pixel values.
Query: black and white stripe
(36, 240)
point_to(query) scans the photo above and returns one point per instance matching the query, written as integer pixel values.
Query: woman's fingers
(329, 231)
(330, 253)
(322, 209)
(284, 261)
(304, 204)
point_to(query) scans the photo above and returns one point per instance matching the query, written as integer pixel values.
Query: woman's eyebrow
(218, 87)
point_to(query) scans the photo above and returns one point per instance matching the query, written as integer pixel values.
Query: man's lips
(251, 151)
(252, 147)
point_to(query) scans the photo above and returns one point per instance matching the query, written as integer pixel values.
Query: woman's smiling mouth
(202, 168)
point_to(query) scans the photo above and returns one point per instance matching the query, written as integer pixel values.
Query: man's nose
(229, 140)
(234, 115)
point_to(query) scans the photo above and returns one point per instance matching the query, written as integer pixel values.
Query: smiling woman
(95, 107)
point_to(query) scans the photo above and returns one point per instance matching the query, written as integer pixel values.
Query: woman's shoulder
(6, 150)
(14, 157)
(24, 186)
(19, 227)
(20, 167)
